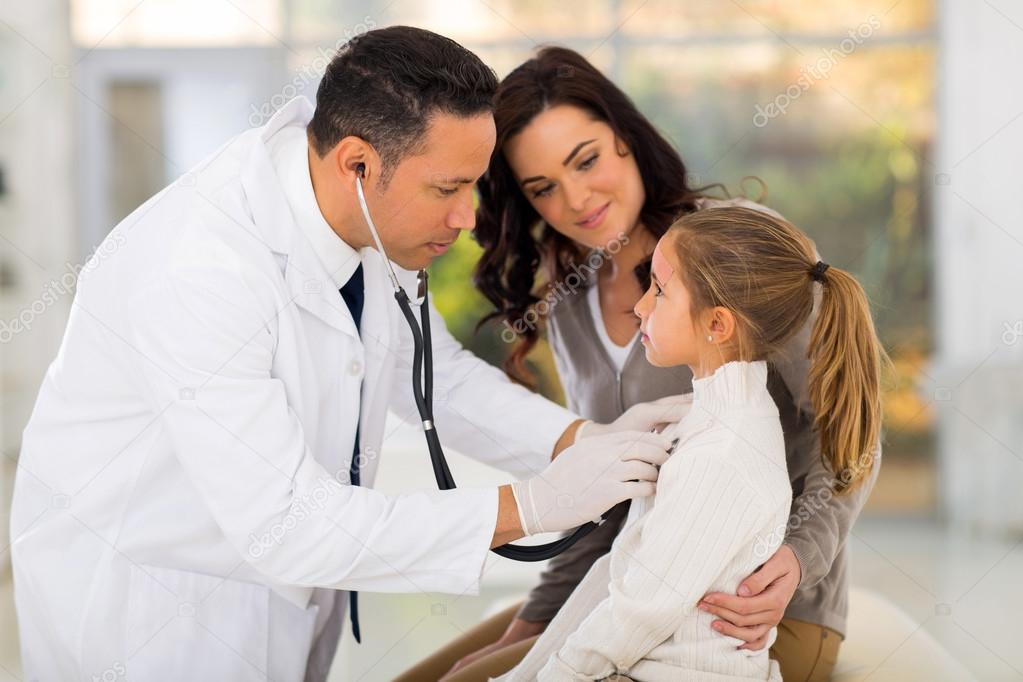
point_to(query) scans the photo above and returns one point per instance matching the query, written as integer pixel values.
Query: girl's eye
(447, 192)
(657, 289)
(543, 192)
(588, 163)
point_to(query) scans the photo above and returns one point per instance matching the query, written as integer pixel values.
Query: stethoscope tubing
(422, 392)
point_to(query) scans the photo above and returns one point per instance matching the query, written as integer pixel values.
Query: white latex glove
(587, 479)
(642, 417)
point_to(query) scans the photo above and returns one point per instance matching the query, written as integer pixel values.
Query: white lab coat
(183, 484)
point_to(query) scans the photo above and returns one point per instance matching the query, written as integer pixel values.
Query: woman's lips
(594, 219)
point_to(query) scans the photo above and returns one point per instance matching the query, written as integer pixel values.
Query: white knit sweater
(720, 510)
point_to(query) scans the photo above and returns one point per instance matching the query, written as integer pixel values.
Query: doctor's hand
(589, 478)
(654, 415)
(760, 606)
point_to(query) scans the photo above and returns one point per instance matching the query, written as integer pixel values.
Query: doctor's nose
(463, 215)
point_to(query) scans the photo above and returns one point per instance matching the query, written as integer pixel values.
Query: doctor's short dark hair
(384, 85)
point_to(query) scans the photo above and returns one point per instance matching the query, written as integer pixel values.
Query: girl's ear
(722, 324)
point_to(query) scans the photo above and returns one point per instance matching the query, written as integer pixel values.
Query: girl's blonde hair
(765, 272)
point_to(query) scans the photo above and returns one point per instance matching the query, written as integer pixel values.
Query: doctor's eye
(445, 192)
(588, 163)
(657, 289)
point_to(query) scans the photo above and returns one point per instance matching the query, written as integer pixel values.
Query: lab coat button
(355, 369)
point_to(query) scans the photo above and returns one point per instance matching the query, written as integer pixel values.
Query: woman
(729, 285)
(581, 187)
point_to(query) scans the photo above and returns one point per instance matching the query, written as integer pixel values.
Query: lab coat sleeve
(477, 409)
(205, 340)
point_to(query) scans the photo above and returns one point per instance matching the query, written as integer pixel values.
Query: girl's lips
(595, 218)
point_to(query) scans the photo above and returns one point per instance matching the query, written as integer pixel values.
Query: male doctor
(188, 506)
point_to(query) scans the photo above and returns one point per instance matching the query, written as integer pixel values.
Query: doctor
(187, 505)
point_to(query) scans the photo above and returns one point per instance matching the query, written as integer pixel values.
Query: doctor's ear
(355, 158)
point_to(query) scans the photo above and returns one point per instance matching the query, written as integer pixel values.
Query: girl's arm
(705, 513)
(565, 571)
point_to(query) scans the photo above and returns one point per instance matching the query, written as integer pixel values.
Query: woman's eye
(588, 163)
(657, 290)
(543, 192)
(447, 192)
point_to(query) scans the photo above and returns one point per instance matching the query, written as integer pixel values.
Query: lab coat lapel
(377, 317)
(310, 286)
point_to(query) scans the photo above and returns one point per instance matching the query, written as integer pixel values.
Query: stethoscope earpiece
(361, 170)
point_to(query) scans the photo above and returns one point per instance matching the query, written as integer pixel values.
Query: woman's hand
(760, 606)
(516, 631)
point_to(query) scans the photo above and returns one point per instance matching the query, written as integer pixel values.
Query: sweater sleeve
(565, 571)
(704, 514)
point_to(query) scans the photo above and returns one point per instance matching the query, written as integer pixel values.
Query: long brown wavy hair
(516, 242)
(765, 271)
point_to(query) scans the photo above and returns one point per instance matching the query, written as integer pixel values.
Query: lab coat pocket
(190, 626)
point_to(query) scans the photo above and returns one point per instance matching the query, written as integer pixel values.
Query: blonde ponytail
(845, 378)
(766, 271)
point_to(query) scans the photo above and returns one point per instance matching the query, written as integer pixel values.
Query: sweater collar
(733, 384)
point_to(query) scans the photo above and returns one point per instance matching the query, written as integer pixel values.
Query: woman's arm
(821, 519)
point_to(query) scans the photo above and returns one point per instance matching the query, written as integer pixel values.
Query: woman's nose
(575, 196)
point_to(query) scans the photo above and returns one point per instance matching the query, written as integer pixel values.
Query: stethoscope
(422, 391)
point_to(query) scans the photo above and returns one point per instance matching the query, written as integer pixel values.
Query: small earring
(710, 338)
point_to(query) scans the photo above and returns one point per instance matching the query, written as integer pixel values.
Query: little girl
(729, 286)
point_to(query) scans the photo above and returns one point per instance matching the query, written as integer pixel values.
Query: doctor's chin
(617, 340)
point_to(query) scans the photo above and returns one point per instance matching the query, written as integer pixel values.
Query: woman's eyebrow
(575, 150)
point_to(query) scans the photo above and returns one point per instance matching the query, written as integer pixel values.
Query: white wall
(36, 220)
(978, 378)
(207, 97)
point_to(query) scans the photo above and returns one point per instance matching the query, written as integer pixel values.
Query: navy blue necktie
(354, 294)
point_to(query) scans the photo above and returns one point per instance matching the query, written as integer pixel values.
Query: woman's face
(581, 180)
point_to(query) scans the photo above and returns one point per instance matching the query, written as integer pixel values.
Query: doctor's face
(429, 199)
